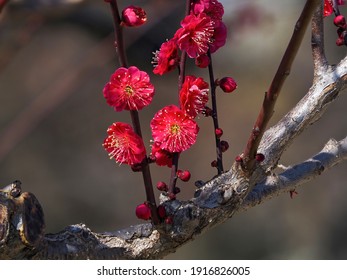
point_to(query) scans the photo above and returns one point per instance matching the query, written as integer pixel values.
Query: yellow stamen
(175, 129)
(129, 90)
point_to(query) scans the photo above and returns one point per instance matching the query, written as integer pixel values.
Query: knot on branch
(21, 222)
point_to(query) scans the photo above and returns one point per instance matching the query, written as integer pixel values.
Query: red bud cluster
(340, 22)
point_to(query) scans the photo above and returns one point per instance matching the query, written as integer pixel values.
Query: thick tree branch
(309, 109)
(216, 202)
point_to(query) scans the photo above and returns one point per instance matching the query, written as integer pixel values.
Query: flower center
(129, 90)
(115, 142)
(175, 129)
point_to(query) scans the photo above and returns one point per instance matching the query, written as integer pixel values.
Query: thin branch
(146, 173)
(173, 176)
(336, 8)
(118, 30)
(181, 78)
(332, 154)
(2, 4)
(272, 94)
(220, 168)
(308, 110)
(183, 59)
(320, 63)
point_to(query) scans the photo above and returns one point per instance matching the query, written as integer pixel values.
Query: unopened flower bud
(184, 175)
(224, 145)
(238, 159)
(161, 211)
(219, 132)
(143, 211)
(227, 84)
(161, 186)
(214, 163)
(259, 157)
(340, 21)
(133, 16)
(340, 42)
(176, 190)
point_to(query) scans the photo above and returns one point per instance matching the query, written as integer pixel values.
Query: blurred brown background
(56, 56)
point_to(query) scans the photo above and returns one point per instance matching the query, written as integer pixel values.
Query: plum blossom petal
(123, 144)
(173, 129)
(129, 89)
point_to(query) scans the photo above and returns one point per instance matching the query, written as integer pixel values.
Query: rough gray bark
(215, 201)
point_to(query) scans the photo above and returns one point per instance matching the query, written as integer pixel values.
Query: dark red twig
(336, 8)
(215, 116)
(181, 77)
(147, 178)
(273, 92)
(118, 30)
(182, 70)
(2, 4)
(173, 176)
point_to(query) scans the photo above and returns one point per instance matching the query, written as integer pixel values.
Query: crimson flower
(161, 157)
(193, 95)
(133, 16)
(219, 37)
(129, 89)
(166, 59)
(124, 145)
(195, 35)
(173, 129)
(328, 7)
(212, 8)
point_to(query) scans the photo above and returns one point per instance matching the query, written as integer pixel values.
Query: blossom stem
(146, 174)
(336, 8)
(173, 176)
(182, 66)
(181, 77)
(118, 30)
(215, 115)
(182, 70)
